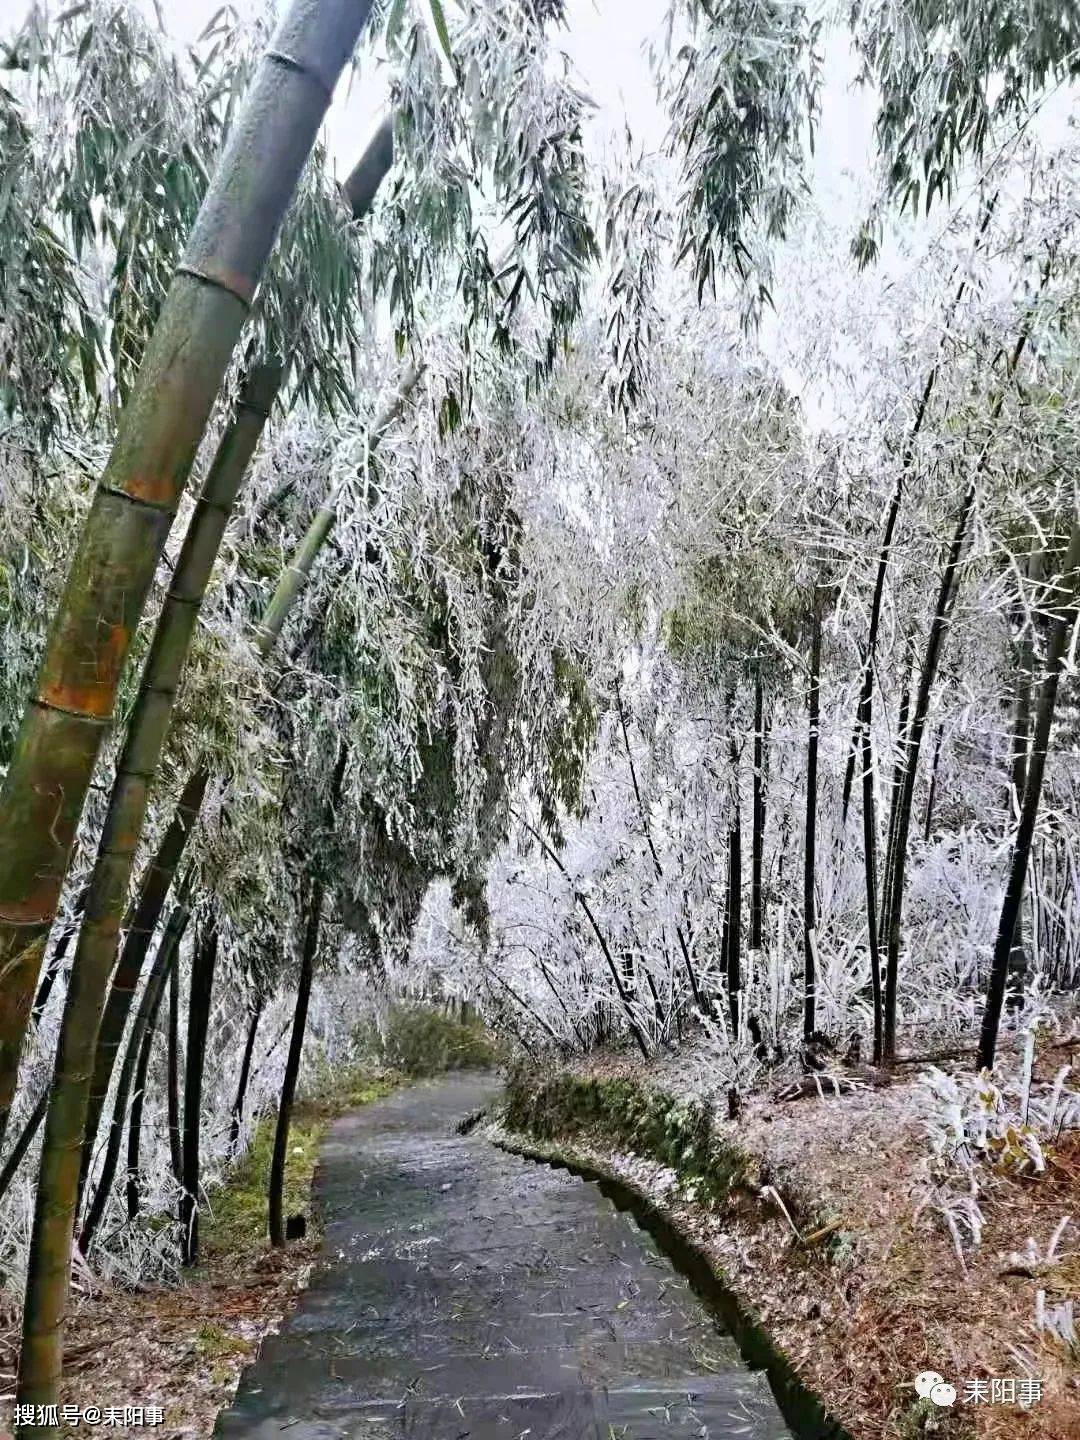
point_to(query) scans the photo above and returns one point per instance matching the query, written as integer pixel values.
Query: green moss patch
(677, 1132)
(236, 1223)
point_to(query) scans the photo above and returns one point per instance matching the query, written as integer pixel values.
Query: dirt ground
(178, 1348)
(881, 1294)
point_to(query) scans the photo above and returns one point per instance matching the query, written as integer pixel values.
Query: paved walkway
(467, 1294)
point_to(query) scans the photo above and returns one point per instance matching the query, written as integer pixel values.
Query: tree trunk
(143, 1026)
(203, 963)
(170, 942)
(121, 542)
(810, 848)
(757, 848)
(245, 1074)
(1029, 812)
(172, 1076)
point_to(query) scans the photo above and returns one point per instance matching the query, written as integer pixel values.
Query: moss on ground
(673, 1131)
(236, 1222)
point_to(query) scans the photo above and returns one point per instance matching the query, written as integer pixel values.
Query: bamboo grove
(519, 571)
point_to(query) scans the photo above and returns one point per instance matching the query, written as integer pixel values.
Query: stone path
(467, 1294)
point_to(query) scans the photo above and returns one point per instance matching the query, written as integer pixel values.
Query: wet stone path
(468, 1294)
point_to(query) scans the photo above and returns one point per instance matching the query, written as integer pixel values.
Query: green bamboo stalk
(123, 536)
(145, 742)
(296, 574)
(155, 885)
(153, 710)
(174, 933)
(147, 1012)
(122, 540)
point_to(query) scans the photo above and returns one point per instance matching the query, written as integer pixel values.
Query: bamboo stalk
(203, 965)
(143, 747)
(810, 844)
(935, 642)
(144, 1020)
(172, 1076)
(276, 1190)
(122, 540)
(124, 534)
(757, 846)
(237, 1117)
(1029, 812)
(174, 932)
(308, 957)
(153, 711)
(870, 875)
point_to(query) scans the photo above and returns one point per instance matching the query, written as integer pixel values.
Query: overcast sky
(607, 41)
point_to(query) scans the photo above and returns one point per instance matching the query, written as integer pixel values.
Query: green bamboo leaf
(394, 19)
(438, 18)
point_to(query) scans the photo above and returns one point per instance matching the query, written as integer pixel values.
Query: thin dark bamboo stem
(203, 964)
(810, 845)
(132, 1184)
(928, 821)
(1036, 768)
(172, 1076)
(757, 845)
(237, 1118)
(870, 870)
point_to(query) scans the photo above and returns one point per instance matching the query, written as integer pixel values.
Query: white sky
(606, 39)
